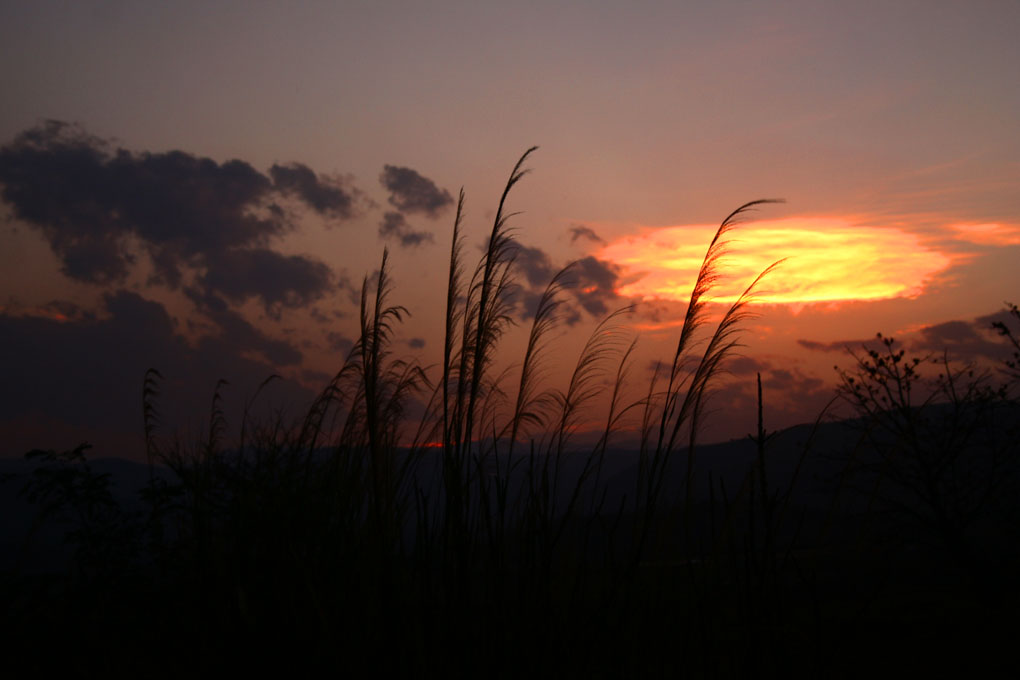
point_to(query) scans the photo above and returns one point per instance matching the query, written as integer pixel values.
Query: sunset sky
(200, 187)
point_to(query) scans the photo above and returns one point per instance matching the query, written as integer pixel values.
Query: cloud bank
(79, 372)
(102, 208)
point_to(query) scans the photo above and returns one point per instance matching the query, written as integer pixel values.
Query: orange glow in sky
(827, 260)
(991, 234)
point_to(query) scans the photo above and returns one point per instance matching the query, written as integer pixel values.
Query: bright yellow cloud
(827, 260)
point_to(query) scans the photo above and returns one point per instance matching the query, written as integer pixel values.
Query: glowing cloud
(990, 234)
(827, 260)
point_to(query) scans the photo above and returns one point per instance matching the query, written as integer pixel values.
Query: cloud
(394, 225)
(315, 377)
(54, 364)
(99, 208)
(659, 314)
(595, 285)
(790, 397)
(278, 280)
(1003, 316)
(591, 281)
(988, 234)
(838, 345)
(413, 193)
(537, 270)
(743, 365)
(339, 343)
(581, 231)
(416, 343)
(536, 266)
(325, 196)
(526, 302)
(792, 382)
(827, 260)
(236, 331)
(88, 200)
(967, 341)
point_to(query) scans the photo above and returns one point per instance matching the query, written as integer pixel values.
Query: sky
(202, 187)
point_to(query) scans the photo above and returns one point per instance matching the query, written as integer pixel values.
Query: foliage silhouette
(485, 535)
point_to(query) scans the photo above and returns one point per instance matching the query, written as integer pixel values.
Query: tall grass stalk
(687, 387)
(494, 504)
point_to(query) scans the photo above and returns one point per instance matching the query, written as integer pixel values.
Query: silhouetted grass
(482, 539)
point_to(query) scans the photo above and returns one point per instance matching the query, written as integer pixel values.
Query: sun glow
(827, 260)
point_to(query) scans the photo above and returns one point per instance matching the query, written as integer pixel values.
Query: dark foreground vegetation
(496, 544)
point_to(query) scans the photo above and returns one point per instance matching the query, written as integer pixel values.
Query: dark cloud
(413, 193)
(96, 260)
(327, 197)
(527, 302)
(790, 397)
(45, 357)
(964, 341)
(595, 285)
(315, 377)
(839, 345)
(742, 365)
(339, 343)
(950, 332)
(536, 266)
(82, 378)
(96, 206)
(581, 231)
(351, 289)
(591, 281)
(394, 225)
(661, 311)
(787, 381)
(416, 343)
(278, 280)
(236, 331)
(62, 310)
(88, 200)
(537, 271)
(319, 316)
(1003, 316)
